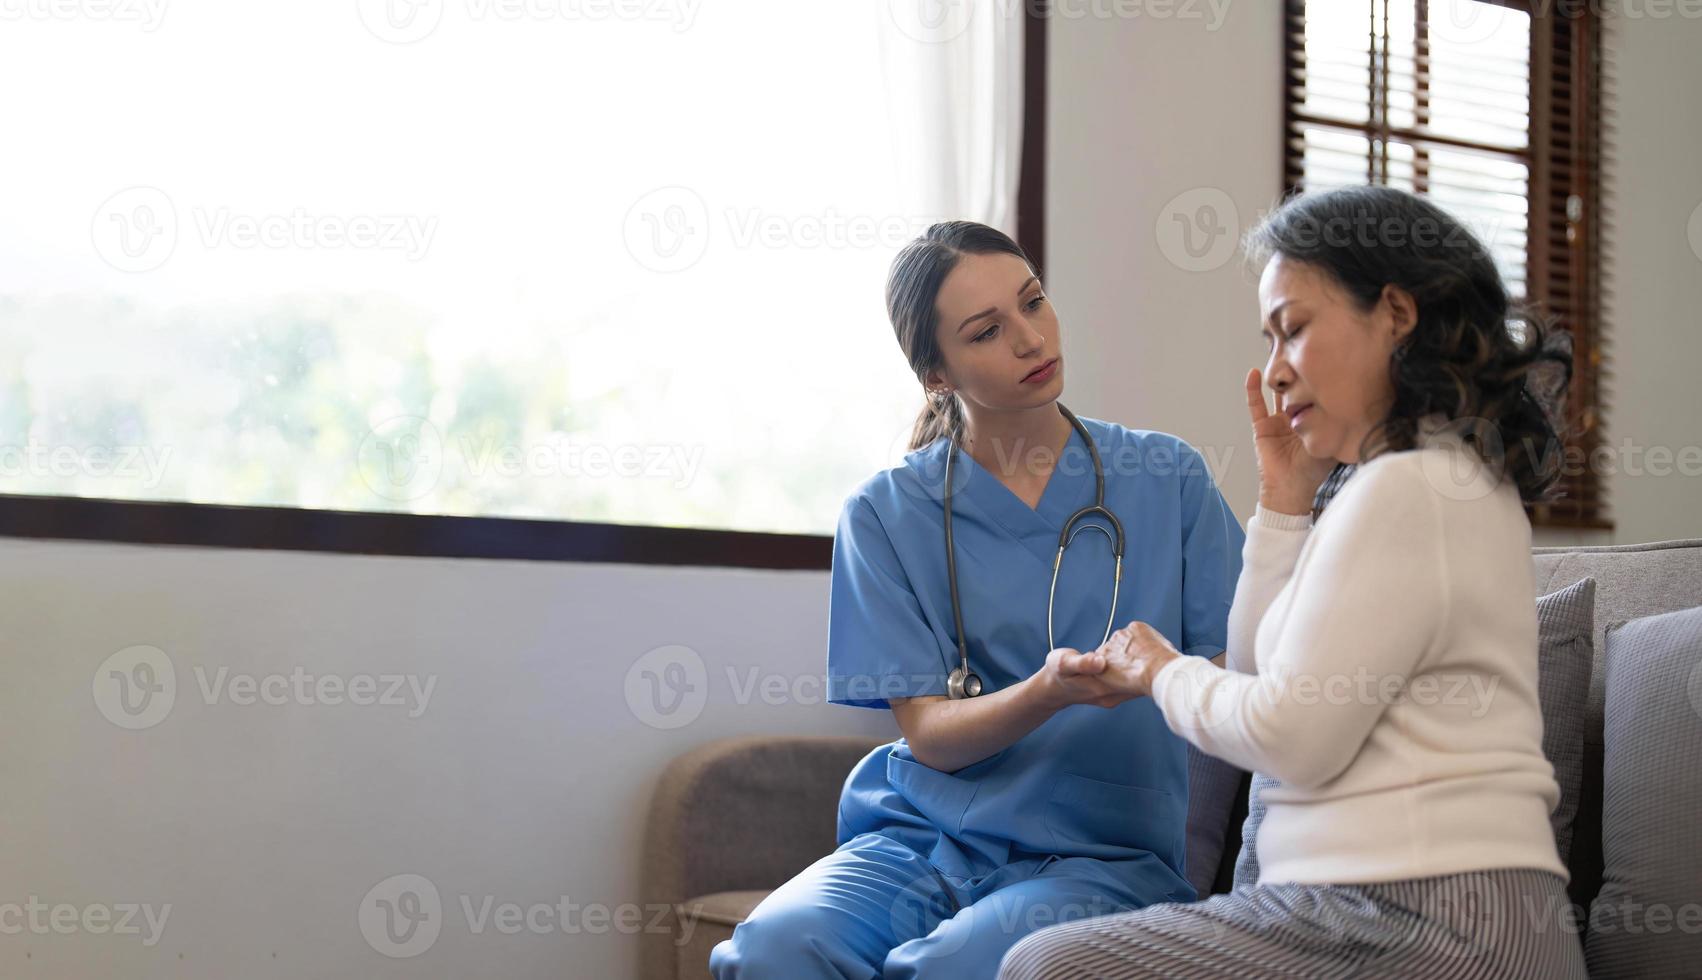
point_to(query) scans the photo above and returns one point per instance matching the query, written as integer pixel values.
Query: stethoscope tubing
(963, 683)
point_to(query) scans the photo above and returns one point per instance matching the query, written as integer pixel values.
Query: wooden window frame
(443, 536)
(1564, 234)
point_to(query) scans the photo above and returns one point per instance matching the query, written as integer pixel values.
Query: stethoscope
(964, 684)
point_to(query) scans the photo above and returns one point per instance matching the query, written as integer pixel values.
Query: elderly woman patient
(1404, 835)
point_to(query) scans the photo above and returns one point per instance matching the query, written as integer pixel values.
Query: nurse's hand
(1073, 677)
(1289, 476)
(1133, 657)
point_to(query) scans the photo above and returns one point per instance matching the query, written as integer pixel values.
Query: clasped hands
(1120, 669)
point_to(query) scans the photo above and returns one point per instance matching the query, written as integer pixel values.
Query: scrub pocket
(1091, 817)
(940, 797)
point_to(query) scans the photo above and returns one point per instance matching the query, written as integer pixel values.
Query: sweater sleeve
(1267, 560)
(1368, 602)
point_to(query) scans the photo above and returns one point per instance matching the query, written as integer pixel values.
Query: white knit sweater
(1383, 667)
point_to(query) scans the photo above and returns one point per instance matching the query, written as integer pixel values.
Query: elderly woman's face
(1329, 360)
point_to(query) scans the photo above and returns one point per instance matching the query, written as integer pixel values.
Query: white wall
(264, 826)
(526, 776)
(1654, 319)
(1144, 111)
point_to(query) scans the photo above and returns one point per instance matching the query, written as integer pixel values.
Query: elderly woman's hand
(1133, 657)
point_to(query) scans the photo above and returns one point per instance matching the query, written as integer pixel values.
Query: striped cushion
(1565, 657)
(1647, 920)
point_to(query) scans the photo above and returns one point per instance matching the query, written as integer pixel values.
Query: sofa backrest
(1632, 581)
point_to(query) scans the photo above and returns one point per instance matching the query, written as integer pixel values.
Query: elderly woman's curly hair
(1494, 369)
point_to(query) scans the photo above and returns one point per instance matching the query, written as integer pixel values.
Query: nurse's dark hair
(1492, 367)
(912, 289)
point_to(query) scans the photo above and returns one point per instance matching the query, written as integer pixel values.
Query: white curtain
(954, 94)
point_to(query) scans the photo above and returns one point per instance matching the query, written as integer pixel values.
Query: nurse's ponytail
(912, 287)
(942, 415)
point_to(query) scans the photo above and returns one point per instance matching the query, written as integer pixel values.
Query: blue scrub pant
(876, 908)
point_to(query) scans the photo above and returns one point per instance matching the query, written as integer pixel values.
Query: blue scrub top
(1090, 781)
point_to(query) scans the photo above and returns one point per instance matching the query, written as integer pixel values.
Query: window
(618, 265)
(1491, 109)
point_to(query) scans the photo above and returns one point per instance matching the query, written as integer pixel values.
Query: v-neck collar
(1068, 489)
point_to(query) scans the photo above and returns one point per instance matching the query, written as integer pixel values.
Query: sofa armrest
(740, 814)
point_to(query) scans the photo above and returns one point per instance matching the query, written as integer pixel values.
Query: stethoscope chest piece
(963, 683)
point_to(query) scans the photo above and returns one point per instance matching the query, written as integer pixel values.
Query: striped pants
(1510, 923)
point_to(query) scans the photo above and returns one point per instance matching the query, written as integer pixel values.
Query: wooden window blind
(1492, 109)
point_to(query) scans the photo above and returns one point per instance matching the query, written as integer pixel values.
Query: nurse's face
(997, 334)
(1329, 359)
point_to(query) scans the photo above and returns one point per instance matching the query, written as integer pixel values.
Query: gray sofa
(733, 819)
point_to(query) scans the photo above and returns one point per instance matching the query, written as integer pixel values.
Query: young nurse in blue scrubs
(1050, 796)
